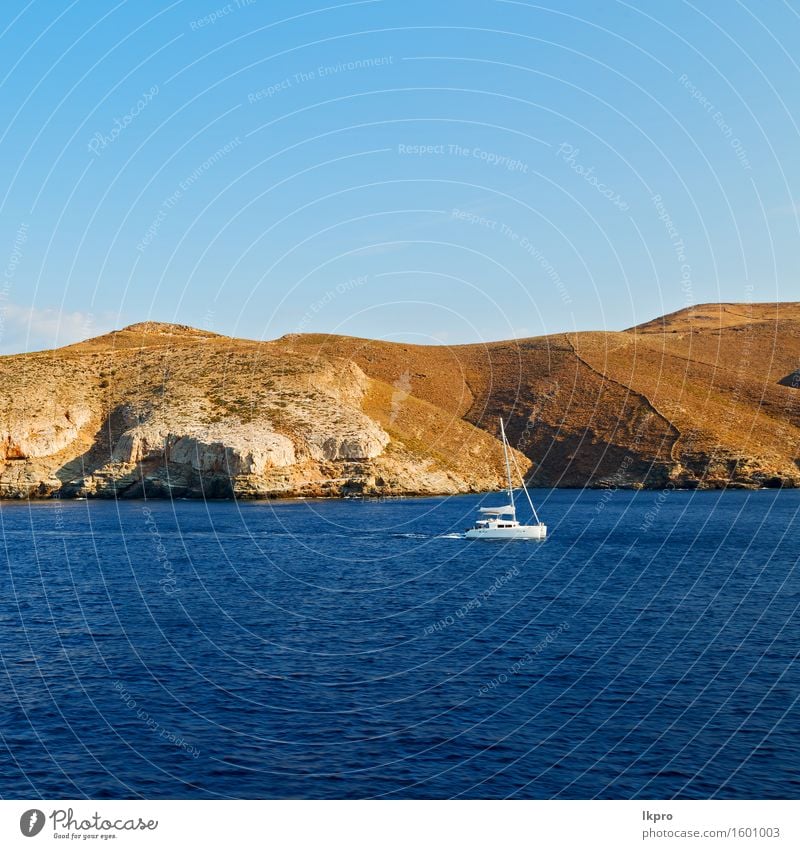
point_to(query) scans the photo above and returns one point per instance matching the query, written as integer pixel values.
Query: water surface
(364, 649)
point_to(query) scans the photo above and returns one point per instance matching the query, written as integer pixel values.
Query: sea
(648, 649)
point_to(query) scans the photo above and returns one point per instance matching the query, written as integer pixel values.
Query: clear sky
(430, 172)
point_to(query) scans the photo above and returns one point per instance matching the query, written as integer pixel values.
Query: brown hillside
(702, 397)
(697, 398)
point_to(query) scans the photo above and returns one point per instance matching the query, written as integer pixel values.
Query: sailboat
(501, 522)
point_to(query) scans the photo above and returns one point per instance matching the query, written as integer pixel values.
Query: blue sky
(434, 173)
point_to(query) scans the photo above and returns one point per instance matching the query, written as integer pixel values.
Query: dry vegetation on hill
(704, 397)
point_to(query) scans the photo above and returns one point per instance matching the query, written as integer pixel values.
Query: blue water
(647, 649)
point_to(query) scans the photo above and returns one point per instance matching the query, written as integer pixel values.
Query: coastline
(379, 498)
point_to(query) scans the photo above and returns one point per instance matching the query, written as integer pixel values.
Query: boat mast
(527, 494)
(508, 464)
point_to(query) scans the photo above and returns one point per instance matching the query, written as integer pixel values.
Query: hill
(704, 397)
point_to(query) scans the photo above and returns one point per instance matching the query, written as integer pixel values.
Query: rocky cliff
(165, 410)
(706, 397)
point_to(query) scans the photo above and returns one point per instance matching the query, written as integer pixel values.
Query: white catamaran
(501, 522)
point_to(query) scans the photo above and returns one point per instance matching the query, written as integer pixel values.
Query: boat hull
(518, 532)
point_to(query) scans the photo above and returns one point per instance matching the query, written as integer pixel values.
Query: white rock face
(233, 457)
(232, 449)
(137, 443)
(204, 456)
(36, 438)
(356, 446)
(269, 451)
(345, 382)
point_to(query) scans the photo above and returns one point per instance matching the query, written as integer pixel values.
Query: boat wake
(428, 536)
